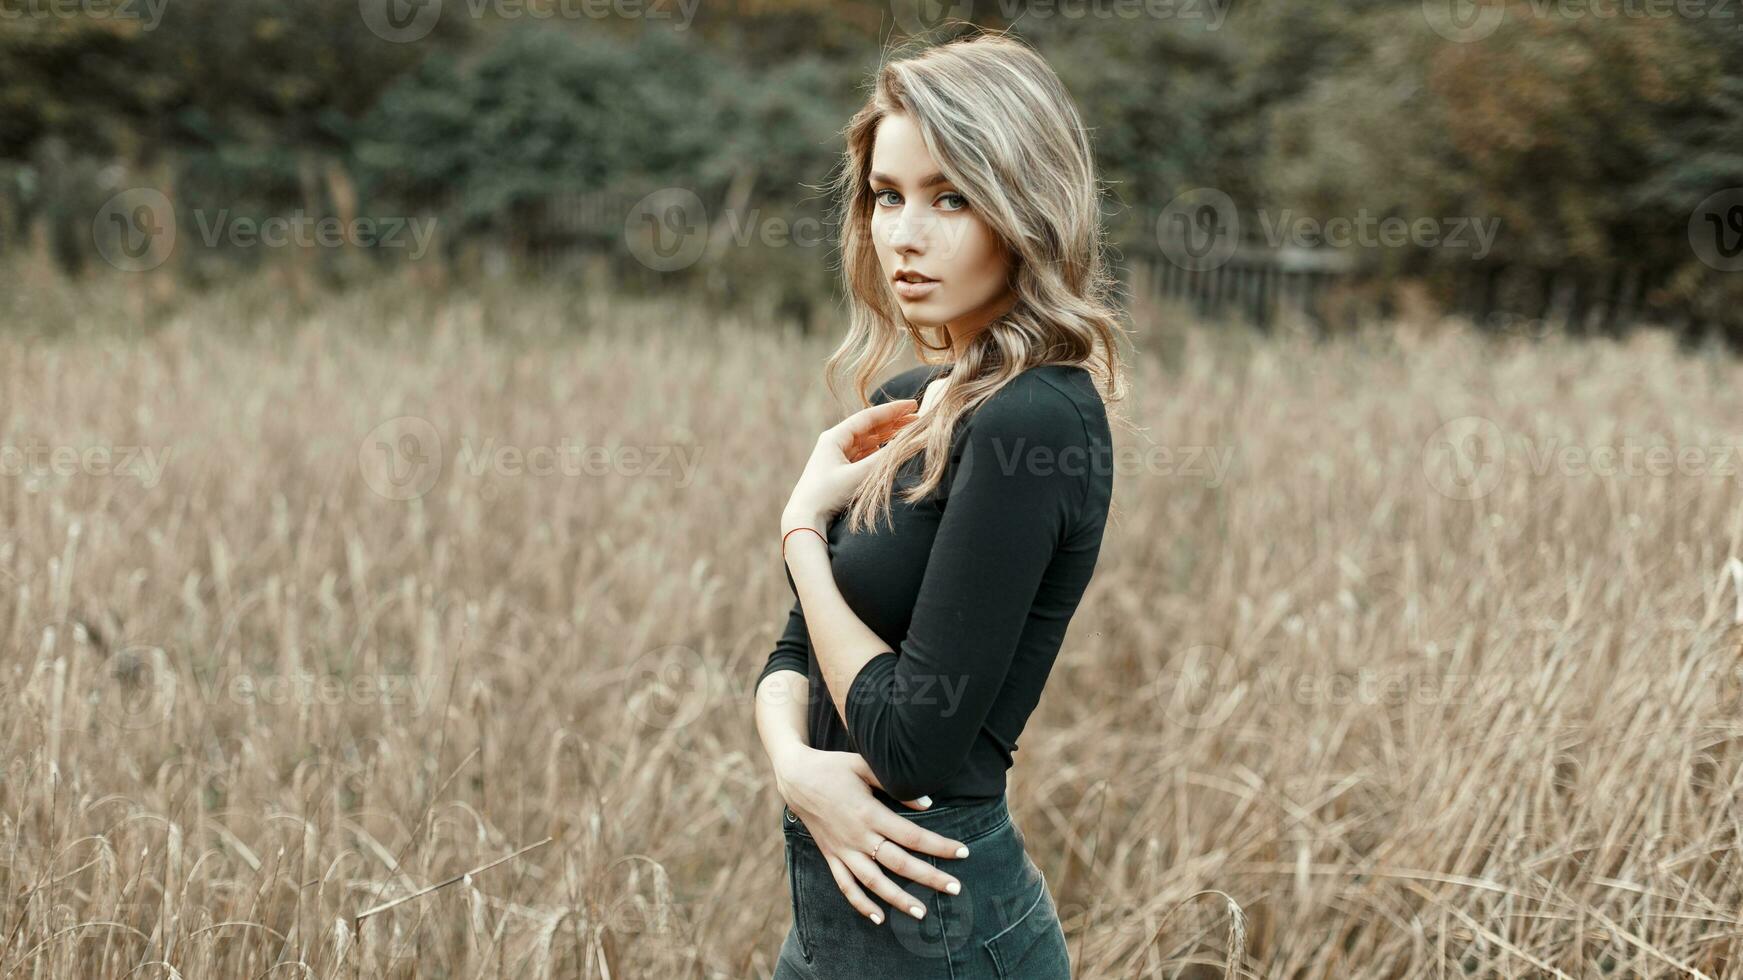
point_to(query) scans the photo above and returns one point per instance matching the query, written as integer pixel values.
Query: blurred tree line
(1594, 141)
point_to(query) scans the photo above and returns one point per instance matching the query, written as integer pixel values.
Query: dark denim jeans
(1003, 926)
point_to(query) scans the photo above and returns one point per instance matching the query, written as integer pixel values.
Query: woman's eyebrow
(928, 182)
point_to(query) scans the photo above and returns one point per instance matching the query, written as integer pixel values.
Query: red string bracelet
(801, 527)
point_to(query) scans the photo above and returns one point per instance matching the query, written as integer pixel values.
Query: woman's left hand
(840, 461)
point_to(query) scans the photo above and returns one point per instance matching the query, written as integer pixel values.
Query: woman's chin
(922, 313)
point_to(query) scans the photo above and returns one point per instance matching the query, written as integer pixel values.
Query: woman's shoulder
(1048, 425)
(1054, 402)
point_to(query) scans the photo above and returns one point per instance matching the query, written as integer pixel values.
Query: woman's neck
(963, 329)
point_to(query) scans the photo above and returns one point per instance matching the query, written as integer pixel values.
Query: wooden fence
(1261, 285)
(1255, 284)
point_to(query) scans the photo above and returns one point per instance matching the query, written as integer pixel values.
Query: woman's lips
(914, 290)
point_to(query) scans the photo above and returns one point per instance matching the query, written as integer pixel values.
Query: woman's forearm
(780, 714)
(840, 640)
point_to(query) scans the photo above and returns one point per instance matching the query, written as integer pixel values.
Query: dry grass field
(1405, 644)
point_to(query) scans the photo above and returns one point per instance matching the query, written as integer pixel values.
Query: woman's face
(925, 230)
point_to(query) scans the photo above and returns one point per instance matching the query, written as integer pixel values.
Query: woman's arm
(830, 789)
(783, 690)
(1022, 478)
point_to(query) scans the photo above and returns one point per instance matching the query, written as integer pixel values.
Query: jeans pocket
(796, 896)
(1033, 946)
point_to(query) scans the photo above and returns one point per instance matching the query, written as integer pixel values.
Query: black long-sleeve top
(972, 589)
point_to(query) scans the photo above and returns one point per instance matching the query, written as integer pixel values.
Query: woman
(928, 620)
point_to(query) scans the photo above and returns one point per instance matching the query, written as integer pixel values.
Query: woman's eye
(953, 201)
(879, 197)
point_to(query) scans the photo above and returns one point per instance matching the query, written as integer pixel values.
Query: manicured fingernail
(953, 888)
(877, 919)
(962, 852)
(924, 801)
(917, 912)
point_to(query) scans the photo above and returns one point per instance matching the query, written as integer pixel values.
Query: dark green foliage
(1591, 139)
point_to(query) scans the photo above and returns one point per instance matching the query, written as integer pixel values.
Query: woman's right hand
(831, 793)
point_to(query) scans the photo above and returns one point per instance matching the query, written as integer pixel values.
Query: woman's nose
(908, 232)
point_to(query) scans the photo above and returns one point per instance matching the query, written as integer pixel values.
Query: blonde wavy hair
(1002, 127)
